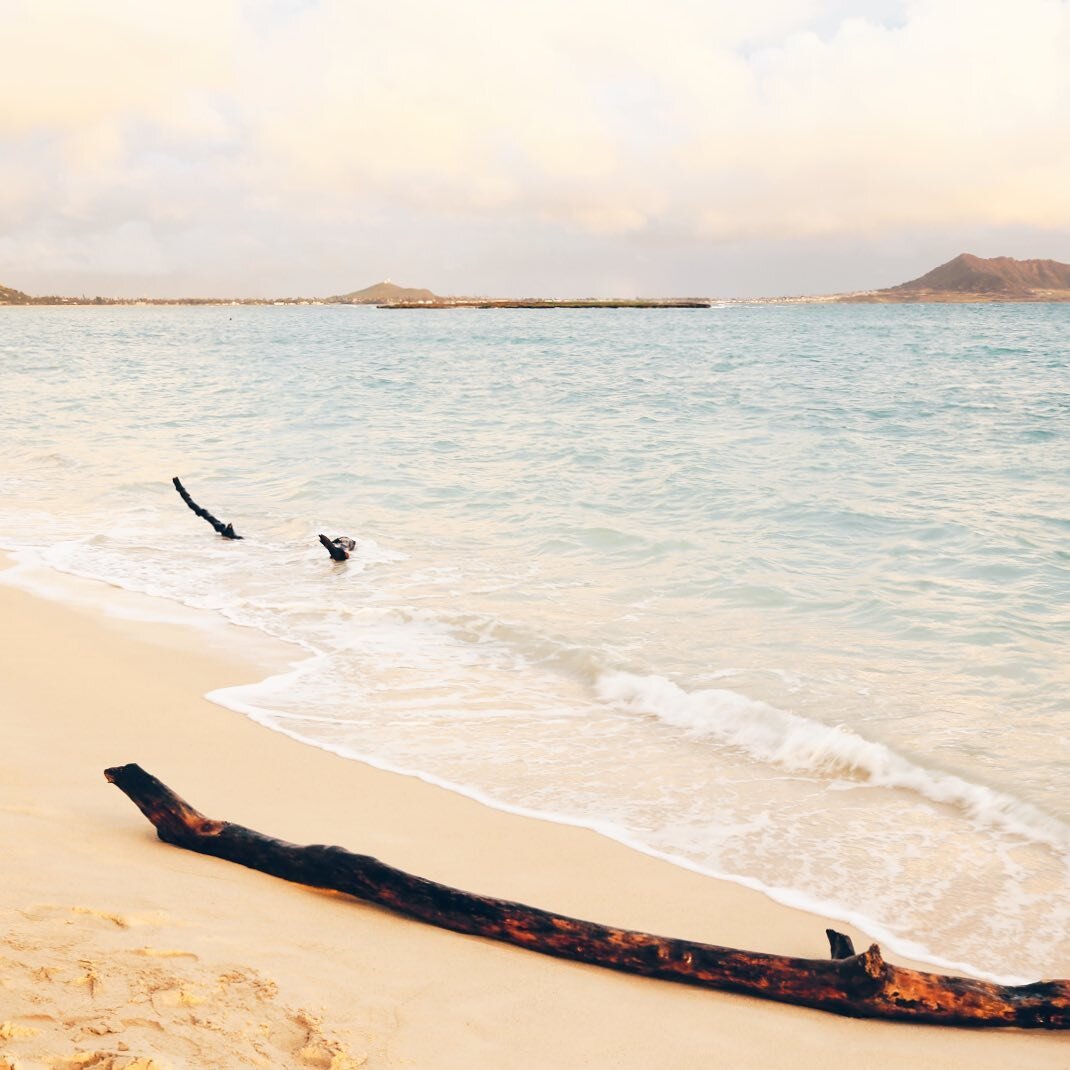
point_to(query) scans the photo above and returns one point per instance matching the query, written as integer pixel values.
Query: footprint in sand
(77, 996)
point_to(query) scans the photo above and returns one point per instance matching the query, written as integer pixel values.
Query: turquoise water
(780, 592)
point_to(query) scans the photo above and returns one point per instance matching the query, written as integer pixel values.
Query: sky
(560, 148)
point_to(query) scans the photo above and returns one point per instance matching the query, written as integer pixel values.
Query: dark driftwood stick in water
(863, 986)
(226, 530)
(339, 547)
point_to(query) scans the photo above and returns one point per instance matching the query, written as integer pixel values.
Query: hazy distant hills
(967, 278)
(383, 293)
(970, 278)
(13, 297)
(1000, 274)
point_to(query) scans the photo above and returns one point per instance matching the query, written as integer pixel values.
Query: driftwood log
(859, 985)
(339, 548)
(226, 530)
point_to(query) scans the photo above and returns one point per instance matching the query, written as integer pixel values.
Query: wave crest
(801, 745)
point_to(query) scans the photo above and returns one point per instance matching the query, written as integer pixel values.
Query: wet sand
(118, 951)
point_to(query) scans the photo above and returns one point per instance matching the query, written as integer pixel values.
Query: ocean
(780, 593)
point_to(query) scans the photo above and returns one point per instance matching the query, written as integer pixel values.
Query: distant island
(386, 293)
(974, 279)
(965, 279)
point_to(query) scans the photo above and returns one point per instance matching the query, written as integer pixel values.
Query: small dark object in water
(339, 548)
(226, 530)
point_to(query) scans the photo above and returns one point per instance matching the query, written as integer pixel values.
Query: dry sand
(117, 951)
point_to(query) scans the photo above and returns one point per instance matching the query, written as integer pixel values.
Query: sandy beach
(119, 951)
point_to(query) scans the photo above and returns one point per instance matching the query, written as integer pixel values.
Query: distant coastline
(966, 279)
(138, 301)
(537, 302)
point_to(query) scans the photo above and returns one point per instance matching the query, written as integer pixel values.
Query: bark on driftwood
(862, 985)
(226, 530)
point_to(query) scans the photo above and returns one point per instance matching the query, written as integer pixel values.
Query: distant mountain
(973, 278)
(13, 297)
(1000, 274)
(383, 293)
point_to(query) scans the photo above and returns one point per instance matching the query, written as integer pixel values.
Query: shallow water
(777, 591)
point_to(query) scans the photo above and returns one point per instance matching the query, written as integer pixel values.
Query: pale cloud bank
(244, 143)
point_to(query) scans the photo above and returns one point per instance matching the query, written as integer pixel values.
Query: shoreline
(902, 950)
(277, 658)
(389, 991)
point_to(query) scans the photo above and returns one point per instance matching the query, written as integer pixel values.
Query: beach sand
(118, 951)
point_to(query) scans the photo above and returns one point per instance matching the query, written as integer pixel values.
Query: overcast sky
(557, 148)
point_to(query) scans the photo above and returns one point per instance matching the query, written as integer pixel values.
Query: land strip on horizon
(966, 279)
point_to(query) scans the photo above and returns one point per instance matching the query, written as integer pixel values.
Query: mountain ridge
(385, 292)
(969, 278)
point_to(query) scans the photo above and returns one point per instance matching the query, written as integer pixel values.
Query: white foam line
(229, 698)
(28, 561)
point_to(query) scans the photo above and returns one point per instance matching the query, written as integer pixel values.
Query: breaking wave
(801, 745)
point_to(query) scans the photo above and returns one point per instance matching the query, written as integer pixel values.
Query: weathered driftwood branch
(339, 548)
(226, 530)
(861, 985)
(841, 946)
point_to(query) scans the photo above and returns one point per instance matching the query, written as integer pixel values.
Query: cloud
(68, 65)
(687, 121)
(593, 114)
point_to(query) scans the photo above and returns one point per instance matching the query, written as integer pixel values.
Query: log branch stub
(859, 985)
(841, 946)
(339, 548)
(226, 530)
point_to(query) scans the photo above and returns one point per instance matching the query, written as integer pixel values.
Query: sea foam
(801, 745)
